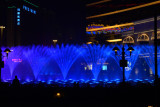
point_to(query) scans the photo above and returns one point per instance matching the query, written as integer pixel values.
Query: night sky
(69, 18)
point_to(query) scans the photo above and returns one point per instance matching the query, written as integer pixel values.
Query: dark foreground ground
(142, 95)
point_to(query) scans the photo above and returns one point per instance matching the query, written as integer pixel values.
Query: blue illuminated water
(86, 63)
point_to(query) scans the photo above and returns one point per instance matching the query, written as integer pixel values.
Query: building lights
(111, 27)
(18, 16)
(124, 10)
(110, 30)
(18, 9)
(29, 9)
(143, 37)
(114, 40)
(146, 20)
(128, 39)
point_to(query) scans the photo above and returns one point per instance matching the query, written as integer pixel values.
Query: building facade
(25, 23)
(121, 22)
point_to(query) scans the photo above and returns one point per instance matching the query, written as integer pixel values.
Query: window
(28, 9)
(24, 7)
(18, 13)
(31, 11)
(34, 12)
(18, 23)
(18, 9)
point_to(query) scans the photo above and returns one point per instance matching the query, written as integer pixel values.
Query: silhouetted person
(77, 84)
(15, 82)
(74, 84)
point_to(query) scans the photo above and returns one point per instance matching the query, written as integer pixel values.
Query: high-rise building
(25, 22)
(29, 22)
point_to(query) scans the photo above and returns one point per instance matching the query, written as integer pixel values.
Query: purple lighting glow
(87, 62)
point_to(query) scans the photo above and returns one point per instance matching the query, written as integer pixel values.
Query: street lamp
(7, 51)
(55, 41)
(123, 62)
(115, 49)
(130, 49)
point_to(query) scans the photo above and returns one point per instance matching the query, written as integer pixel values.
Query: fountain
(13, 59)
(72, 62)
(148, 51)
(131, 60)
(65, 56)
(95, 56)
(37, 56)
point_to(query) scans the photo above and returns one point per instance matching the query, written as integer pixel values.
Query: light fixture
(7, 51)
(130, 49)
(114, 40)
(115, 49)
(58, 94)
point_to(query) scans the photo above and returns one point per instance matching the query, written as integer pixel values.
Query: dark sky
(69, 17)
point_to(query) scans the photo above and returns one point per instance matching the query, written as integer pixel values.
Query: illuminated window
(18, 16)
(31, 11)
(18, 9)
(28, 9)
(18, 12)
(24, 7)
(18, 23)
(34, 12)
